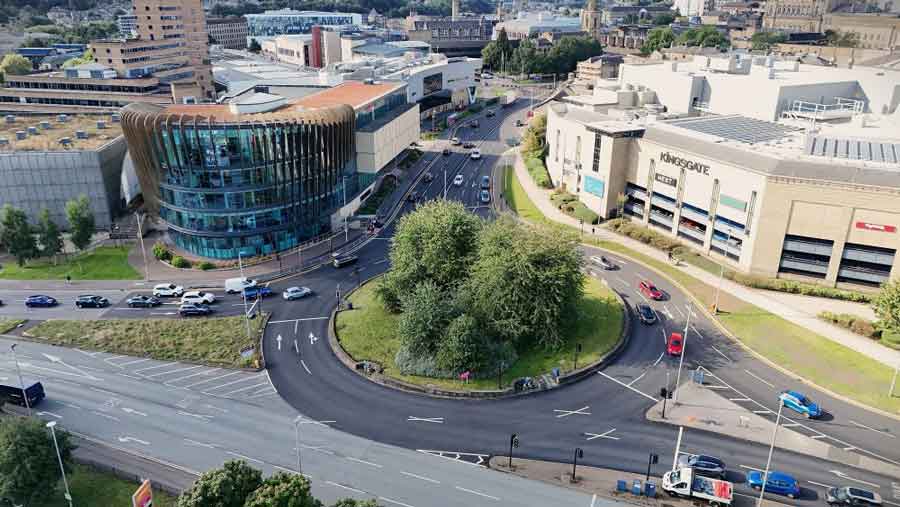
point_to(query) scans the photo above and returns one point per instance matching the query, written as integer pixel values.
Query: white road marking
(714, 386)
(427, 479)
(136, 361)
(302, 362)
(842, 475)
(189, 368)
(680, 311)
(817, 436)
(665, 338)
(199, 444)
(477, 493)
(668, 312)
(213, 388)
(125, 440)
(594, 436)
(348, 488)
(743, 399)
(699, 334)
(826, 486)
(248, 458)
(357, 460)
(622, 281)
(593, 499)
(318, 423)
(639, 377)
(133, 412)
(298, 320)
(658, 359)
(155, 367)
(246, 388)
(762, 412)
(872, 429)
(760, 379)
(438, 420)
(752, 468)
(101, 414)
(721, 353)
(195, 416)
(645, 395)
(388, 500)
(791, 425)
(76, 407)
(566, 413)
(205, 372)
(51, 414)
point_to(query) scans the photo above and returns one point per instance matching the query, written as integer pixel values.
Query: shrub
(161, 252)
(180, 262)
(793, 287)
(538, 172)
(206, 265)
(865, 328)
(856, 324)
(560, 197)
(582, 212)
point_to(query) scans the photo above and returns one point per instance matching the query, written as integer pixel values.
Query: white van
(237, 285)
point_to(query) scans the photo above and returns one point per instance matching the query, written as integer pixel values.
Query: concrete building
(533, 24)
(814, 196)
(46, 161)
(288, 21)
(127, 24)
(873, 31)
(230, 194)
(615, 14)
(465, 36)
(798, 15)
(230, 33)
(591, 19)
(590, 71)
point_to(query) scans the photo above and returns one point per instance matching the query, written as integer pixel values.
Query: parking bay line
(213, 388)
(266, 384)
(760, 379)
(206, 372)
(872, 429)
(298, 320)
(194, 367)
(214, 378)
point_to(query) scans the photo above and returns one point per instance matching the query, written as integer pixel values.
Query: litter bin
(650, 489)
(636, 487)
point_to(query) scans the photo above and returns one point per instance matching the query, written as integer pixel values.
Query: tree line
(25, 241)
(563, 57)
(664, 37)
(472, 294)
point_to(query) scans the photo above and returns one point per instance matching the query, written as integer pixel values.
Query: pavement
(798, 310)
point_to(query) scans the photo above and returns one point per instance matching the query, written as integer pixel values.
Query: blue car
(33, 301)
(257, 291)
(779, 483)
(800, 403)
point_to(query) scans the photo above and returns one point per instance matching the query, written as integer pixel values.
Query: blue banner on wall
(594, 186)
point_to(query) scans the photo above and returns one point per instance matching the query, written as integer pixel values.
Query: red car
(650, 291)
(675, 344)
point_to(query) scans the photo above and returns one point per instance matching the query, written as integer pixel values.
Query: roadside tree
(81, 221)
(534, 142)
(49, 235)
(465, 346)
(887, 305)
(29, 470)
(426, 313)
(283, 490)
(229, 486)
(16, 234)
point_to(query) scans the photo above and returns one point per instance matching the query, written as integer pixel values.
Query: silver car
(703, 465)
(292, 293)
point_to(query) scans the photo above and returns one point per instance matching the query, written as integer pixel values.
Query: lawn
(90, 487)
(368, 332)
(7, 324)
(810, 355)
(216, 341)
(518, 200)
(102, 263)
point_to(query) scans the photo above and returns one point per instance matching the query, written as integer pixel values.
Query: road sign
(143, 497)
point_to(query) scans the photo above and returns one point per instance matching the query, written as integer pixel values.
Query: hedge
(180, 262)
(538, 172)
(856, 324)
(570, 205)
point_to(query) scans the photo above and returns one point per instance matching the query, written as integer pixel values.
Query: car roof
(675, 335)
(781, 476)
(711, 459)
(795, 394)
(862, 493)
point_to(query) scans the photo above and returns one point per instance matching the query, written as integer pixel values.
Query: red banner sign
(143, 497)
(876, 227)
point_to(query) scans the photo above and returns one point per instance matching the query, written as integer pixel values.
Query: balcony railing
(802, 265)
(694, 233)
(693, 215)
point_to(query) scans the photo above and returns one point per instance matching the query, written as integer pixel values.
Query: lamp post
(244, 297)
(654, 459)
(513, 442)
(297, 440)
(19, 373)
(683, 351)
(894, 381)
(762, 489)
(62, 470)
(143, 250)
(721, 275)
(578, 454)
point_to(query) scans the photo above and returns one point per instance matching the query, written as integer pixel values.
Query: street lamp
(578, 454)
(297, 439)
(721, 275)
(143, 250)
(513, 442)
(683, 352)
(21, 382)
(765, 477)
(62, 470)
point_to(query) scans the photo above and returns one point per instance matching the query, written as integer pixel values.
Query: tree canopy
(87, 57)
(887, 305)
(229, 486)
(283, 490)
(49, 235)
(705, 36)
(763, 41)
(29, 470)
(15, 65)
(16, 234)
(526, 59)
(663, 19)
(841, 39)
(81, 221)
(658, 38)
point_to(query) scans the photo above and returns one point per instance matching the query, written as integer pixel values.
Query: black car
(187, 309)
(142, 301)
(39, 300)
(89, 301)
(646, 314)
(346, 260)
(446, 152)
(468, 145)
(703, 465)
(490, 114)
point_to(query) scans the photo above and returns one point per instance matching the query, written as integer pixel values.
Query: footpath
(800, 310)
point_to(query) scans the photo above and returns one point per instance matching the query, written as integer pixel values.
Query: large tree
(436, 243)
(81, 221)
(427, 309)
(534, 141)
(15, 65)
(887, 305)
(29, 470)
(16, 234)
(283, 490)
(49, 235)
(764, 41)
(466, 346)
(229, 486)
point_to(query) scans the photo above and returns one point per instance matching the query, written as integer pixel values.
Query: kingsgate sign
(876, 227)
(685, 163)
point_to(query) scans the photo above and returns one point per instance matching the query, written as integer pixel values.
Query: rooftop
(352, 93)
(292, 12)
(48, 139)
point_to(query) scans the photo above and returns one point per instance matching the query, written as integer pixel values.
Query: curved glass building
(250, 179)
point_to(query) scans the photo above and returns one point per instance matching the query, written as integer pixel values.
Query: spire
(591, 5)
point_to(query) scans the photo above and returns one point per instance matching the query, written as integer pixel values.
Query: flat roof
(353, 93)
(48, 140)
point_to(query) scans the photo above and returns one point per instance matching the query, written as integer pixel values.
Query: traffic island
(701, 408)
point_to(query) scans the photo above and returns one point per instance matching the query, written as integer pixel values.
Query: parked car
(142, 301)
(490, 113)
(777, 482)
(237, 285)
(646, 314)
(855, 497)
(188, 309)
(799, 403)
(486, 75)
(474, 124)
(454, 141)
(39, 300)
(168, 290)
(484, 197)
(675, 344)
(88, 301)
(458, 180)
(603, 262)
(703, 465)
(485, 182)
(446, 152)
(257, 292)
(475, 155)
(292, 293)
(346, 260)
(198, 296)
(650, 291)
(468, 145)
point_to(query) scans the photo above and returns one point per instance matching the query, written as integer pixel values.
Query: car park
(89, 301)
(458, 180)
(258, 291)
(475, 155)
(852, 496)
(292, 293)
(777, 482)
(142, 301)
(675, 344)
(485, 182)
(40, 300)
(646, 314)
(189, 309)
(346, 260)
(702, 464)
(799, 403)
(237, 285)
(168, 290)
(603, 262)
(446, 152)
(650, 291)
(454, 141)
(485, 197)
(198, 296)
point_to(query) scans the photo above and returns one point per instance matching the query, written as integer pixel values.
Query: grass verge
(217, 340)
(828, 364)
(7, 325)
(369, 332)
(370, 207)
(102, 263)
(95, 488)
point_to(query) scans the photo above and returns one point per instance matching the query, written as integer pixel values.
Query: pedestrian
(68, 279)
(592, 230)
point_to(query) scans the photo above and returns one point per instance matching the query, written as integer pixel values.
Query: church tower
(590, 19)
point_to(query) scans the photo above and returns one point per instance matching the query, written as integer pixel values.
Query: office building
(533, 24)
(127, 24)
(230, 33)
(288, 21)
(263, 173)
(465, 36)
(615, 14)
(872, 31)
(319, 48)
(799, 183)
(798, 15)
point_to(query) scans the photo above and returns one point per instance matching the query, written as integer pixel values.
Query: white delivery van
(237, 285)
(685, 483)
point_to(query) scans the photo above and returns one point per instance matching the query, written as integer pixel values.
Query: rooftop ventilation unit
(32, 131)
(21, 135)
(10, 118)
(65, 141)
(62, 118)
(45, 125)
(4, 141)
(81, 134)
(115, 118)
(101, 124)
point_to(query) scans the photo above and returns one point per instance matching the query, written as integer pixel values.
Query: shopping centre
(803, 183)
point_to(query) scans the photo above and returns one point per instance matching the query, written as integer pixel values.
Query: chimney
(455, 9)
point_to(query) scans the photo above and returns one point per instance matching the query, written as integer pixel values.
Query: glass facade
(253, 187)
